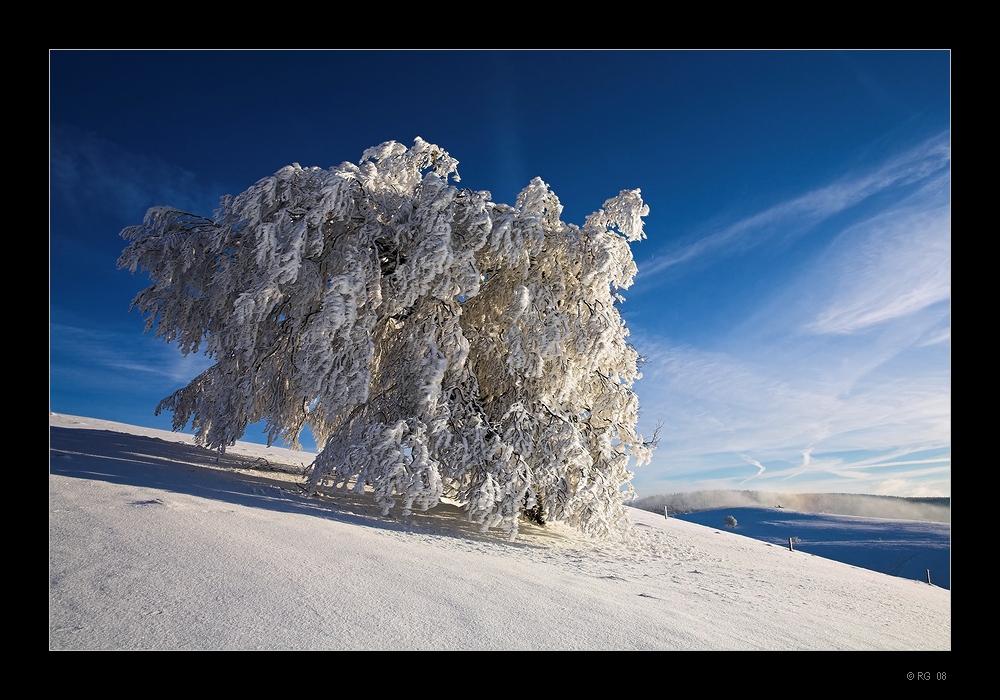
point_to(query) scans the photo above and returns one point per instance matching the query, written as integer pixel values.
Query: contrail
(760, 468)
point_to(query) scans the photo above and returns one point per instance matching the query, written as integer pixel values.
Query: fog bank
(870, 506)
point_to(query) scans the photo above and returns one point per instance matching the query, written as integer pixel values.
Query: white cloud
(760, 468)
(941, 336)
(716, 405)
(110, 357)
(900, 265)
(808, 210)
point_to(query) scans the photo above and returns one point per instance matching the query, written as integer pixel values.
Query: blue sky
(793, 296)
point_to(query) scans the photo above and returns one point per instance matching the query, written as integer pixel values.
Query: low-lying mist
(870, 506)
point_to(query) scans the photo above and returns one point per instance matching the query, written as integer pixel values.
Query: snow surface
(157, 544)
(907, 548)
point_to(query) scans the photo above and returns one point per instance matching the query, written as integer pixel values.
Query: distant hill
(871, 506)
(905, 548)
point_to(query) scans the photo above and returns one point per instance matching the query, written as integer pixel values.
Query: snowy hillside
(154, 544)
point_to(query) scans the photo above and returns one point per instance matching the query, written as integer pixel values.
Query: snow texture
(156, 543)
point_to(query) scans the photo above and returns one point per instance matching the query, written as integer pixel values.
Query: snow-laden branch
(434, 342)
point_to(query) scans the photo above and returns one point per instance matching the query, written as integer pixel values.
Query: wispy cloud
(88, 173)
(856, 465)
(808, 210)
(806, 457)
(941, 336)
(796, 417)
(839, 378)
(110, 358)
(936, 460)
(760, 468)
(927, 482)
(891, 266)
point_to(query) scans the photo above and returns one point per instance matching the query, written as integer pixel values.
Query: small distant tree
(436, 343)
(730, 522)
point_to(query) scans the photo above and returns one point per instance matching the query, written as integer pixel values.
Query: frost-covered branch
(435, 343)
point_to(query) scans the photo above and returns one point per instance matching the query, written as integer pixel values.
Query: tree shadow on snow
(177, 467)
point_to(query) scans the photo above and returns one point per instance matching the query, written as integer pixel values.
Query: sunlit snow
(155, 543)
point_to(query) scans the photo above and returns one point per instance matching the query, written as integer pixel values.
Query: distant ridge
(871, 506)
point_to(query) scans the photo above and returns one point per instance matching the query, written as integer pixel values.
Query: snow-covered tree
(436, 343)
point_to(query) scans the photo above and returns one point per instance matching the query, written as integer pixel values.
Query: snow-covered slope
(155, 545)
